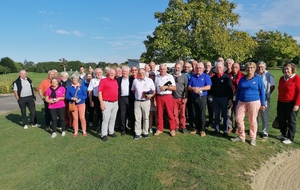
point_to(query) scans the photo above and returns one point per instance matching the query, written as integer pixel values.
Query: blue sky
(111, 31)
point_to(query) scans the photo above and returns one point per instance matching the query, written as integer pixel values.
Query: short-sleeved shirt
(181, 84)
(60, 92)
(141, 87)
(161, 81)
(45, 84)
(26, 88)
(93, 86)
(199, 81)
(109, 88)
(125, 86)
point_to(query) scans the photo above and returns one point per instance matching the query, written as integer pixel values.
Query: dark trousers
(287, 119)
(210, 109)
(60, 112)
(98, 111)
(220, 106)
(190, 112)
(199, 107)
(29, 103)
(124, 111)
(230, 112)
(47, 114)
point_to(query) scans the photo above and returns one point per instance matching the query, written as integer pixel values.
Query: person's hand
(184, 100)
(149, 96)
(230, 104)
(154, 102)
(102, 107)
(295, 108)
(163, 88)
(92, 104)
(263, 108)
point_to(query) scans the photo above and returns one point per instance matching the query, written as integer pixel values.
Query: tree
(64, 63)
(199, 29)
(275, 46)
(9, 63)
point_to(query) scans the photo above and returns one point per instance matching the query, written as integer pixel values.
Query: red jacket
(235, 80)
(289, 91)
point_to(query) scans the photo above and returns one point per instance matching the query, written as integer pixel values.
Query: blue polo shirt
(199, 81)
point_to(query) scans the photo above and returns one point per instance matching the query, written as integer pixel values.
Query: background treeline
(7, 65)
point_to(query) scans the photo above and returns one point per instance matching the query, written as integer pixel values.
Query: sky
(111, 30)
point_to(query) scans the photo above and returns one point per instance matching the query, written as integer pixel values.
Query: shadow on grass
(17, 118)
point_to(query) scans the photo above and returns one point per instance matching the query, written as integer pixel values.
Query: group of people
(133, 99)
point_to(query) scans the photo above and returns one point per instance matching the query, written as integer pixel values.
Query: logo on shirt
(253, 82)
(222, 80)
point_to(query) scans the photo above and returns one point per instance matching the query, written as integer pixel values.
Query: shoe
(150, 131)
(287, 141)
(84, 134)
(90, 124)
(280, 137)
(146, 136)
(112, 135)
(123, 133)
(25, 127)
(36, 125)
(173, 133)
(237, 139)
(53, 135)
(184, 130)
(63, 134)
(176, 130)
(229, 130)
(253, 142)
(75, 134)
(265, 136)
(194, 131)
(202, 134)
(47, 128)
(216, 132)
(104, 138)
(137, 137)
(225, 134)
(158, 132)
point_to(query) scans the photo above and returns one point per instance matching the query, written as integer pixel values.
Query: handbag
(275, 123)
(72, 106)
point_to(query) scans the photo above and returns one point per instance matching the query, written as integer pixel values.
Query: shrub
(6, 86)
(271, 63)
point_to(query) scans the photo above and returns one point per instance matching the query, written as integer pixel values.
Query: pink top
(60, 92)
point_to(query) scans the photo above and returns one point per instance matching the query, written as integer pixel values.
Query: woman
(288, 102)
(153, 108)
(76, 94)
(250, 98)
(55, 96)
(88, 107)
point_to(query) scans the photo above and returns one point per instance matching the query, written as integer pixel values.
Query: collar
(220, 74)
(287, 78)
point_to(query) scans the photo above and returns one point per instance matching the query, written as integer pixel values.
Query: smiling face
(142, 74)
(54, 82)
(287, 70)
(250, 68)
(261, 68)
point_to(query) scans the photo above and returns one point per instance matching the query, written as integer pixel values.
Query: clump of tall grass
(6, 85)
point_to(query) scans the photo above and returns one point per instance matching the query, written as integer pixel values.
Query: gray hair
(219, 63)
(231, 60)
(98, 69)
(163, 65)
(125, 68)
(261, 62)
(75, 76)
(107, 69)
(64, 73)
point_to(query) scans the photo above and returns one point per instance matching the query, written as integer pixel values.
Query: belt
(200, 97)
(124, 96)
(141, 100)
(163, 94)
(110, 101)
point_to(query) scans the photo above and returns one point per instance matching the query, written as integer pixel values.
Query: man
(199, 84)
(194, 63)
(152, 66)
(189, 105)
(125, 100)
(24, 94)
(106, 70)
(118, 72)
(143, 89)
(81, 74)
(91, 71)
(94, 100)
(44, 85)
(164, 84)
(235, 77)
(66, 82)
(211, 73)
(108, 98)
(180, 98)
(228, 64)
(221, 91)
(147, 69)
(269, 84)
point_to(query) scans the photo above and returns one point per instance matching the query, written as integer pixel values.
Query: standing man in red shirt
(108, 97)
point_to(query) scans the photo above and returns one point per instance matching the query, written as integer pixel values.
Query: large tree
(199, 29)
(275, 46)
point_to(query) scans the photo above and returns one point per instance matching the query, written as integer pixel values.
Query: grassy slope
(32, 160)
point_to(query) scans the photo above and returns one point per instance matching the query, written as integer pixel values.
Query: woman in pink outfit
(55, 96)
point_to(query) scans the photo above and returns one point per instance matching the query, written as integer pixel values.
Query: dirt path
(280, 172)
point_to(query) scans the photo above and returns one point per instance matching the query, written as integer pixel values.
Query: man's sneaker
(194, 131)
(202, 134)
(36, 125)
(137, 137)
(184, 130)
(253, 142)
(264, 135)
(287, 141)
(47, 128)
(25, 127)
(237, 139)
(146, 136)
(280, 137)
(53, 135)
(112, 135)
(158, 132)
(150, 130)
(90, 124)
(63, 134)
(225, 134)
(173, 133)
(104, 138)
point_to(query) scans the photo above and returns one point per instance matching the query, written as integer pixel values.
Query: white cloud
(62, 32)
(298, 39)
(73, 32)
(106, 19)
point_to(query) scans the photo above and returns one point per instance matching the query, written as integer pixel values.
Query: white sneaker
(36, 125)
(287, 141)
(90, 124)
(25, 127)
(63, 134)
(53, 135)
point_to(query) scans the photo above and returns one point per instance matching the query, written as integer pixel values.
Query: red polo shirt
(109, 88)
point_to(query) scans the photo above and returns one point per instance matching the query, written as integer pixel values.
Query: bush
(271, 63)
(6, 86)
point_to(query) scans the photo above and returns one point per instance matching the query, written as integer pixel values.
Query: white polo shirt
(140, 86)
(93, 86)
(125, 86)
(161, 80)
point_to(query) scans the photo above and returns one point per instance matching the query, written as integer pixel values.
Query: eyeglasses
(250, 67)
(134, 70)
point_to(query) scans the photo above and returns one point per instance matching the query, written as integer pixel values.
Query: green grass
(32, 160)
